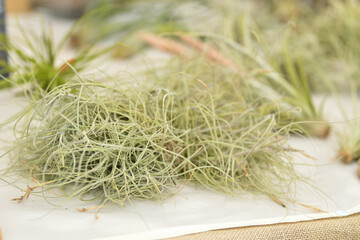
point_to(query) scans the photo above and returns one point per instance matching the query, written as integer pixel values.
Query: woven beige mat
(329, 228)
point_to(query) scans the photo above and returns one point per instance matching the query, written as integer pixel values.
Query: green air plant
(290, 71)
(349, 143)
(89, 140)
(34, 60)
(291, 89)
(337, 32)
(123, 142)
(349, 139)
(221, 137)
(292, 84)
(293, 67)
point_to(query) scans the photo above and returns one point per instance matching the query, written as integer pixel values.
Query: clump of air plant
(90, 140)
(349, 138)
(337, 33)
(226, 128)
(287, 62)
(292, 90)
(118, 143)
(293, 68)
(349, 143)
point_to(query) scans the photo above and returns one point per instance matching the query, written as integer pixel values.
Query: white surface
(192, 210)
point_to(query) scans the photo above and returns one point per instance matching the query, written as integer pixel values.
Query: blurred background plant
(35, 63)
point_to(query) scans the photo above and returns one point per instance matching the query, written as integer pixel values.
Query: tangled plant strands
(116, 144)
(99, 139)
(294, 90)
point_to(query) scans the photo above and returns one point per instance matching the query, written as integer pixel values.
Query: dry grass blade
(315, 209)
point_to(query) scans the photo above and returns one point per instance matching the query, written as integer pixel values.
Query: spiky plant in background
(35, 60)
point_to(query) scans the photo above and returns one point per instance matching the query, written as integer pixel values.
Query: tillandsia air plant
(90, 140)
(349, 143)
(35, 61)
(291, 90)
(341, 56)
(294, 68)
(335, 63)
(288, 60)
(349, 138)
(118, 143)
(293, 79)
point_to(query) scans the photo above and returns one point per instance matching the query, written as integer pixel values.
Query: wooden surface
(18, 5)
(322, 229)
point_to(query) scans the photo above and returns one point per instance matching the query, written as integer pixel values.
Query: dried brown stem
(64, 67)
(90, 208)
(277, 201)
(345, 156)
(210, 52)
(165, 44)
(318, 210)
